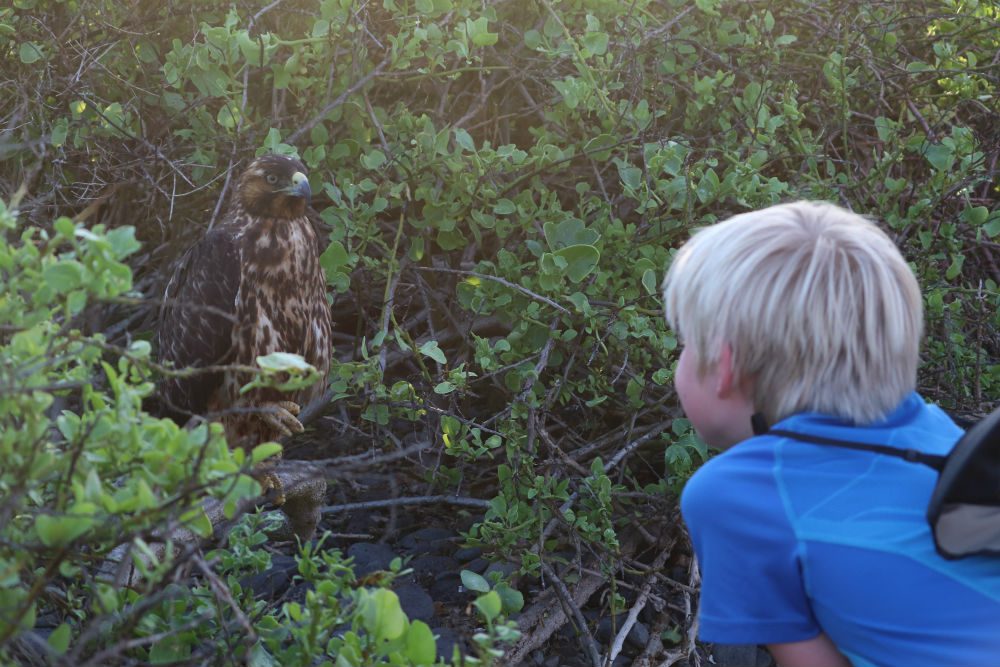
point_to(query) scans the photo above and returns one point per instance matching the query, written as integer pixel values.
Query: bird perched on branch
(251, 286)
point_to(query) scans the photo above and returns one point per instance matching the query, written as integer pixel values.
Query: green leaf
(895, 185)
(29, 52)
(489, 605)
(59, 131)
(571, 231)
(569, 89)
(64, 226)
(479, 32)
(885, 128)
(416, 252)
(940, 156)
(12, 598)
(59, 639)
(708, 6)
(511, 598)
(281, 77)
(581, 260)
(264, 451)
(431, 349)
(444, 388)
(504, 207)
(113, 116)
(319, 135)
(284, 361)
(373, 159)
(649, 281)
(955, 267)
(631, 176)
(785, 40)
(65, 276)
(464, 140)
(420, 646)
(122, 241)
(672, 636)
(228, 116)
(321, 28)
(333, 259)
(382, 615)
(58, 531)
(579, 300)
(260, 657)
(474, 582)
(596, 42)
(708, 186)
(199, 523)
(169, 649)
(599, 147)
(976, 215)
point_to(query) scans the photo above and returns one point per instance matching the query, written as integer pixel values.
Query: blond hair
(818, 305)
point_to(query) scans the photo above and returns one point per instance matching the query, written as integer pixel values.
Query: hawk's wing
(197, 320)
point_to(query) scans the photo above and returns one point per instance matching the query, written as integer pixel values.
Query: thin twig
(370, 460)
(409, 500)
(496, 279)
(293, 137)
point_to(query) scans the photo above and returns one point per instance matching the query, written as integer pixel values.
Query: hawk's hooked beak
(299, 187)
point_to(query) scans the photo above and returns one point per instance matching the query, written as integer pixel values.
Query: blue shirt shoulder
(794, 539)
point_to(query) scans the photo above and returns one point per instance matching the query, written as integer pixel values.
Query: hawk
(251, 286)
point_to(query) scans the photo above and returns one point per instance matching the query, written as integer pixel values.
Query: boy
(805, 317)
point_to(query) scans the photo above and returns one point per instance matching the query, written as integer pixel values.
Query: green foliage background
(502, 186)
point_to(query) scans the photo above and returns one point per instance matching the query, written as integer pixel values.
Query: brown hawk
(249, 287)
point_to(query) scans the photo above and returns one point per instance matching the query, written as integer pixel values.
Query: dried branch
(640, 603)
(571, 607)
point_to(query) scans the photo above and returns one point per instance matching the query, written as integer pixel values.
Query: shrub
(502, 186)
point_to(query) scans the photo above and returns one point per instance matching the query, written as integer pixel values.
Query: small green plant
(86, 471)
(494, 603)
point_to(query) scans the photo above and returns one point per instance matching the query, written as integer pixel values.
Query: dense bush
(502, 185)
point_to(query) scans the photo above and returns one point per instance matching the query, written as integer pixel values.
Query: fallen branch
(544, 618)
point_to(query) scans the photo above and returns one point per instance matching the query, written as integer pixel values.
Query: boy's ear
(726, 375)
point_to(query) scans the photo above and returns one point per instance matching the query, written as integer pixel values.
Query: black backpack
(964, 510)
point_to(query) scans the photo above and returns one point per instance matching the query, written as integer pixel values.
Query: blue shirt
(794, 539)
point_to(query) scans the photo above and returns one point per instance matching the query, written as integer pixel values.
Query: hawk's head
(274, 186)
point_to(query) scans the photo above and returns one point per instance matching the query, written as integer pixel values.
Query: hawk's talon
(271, 487)
(281, 416)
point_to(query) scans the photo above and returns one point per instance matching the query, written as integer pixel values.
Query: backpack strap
(913, 456)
